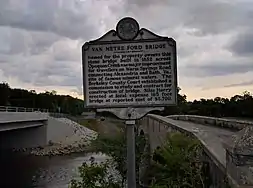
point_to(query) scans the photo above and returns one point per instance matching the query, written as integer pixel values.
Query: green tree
(4, 94)
(47, 100)
(94, 175)
(177, 163)
(116, 148)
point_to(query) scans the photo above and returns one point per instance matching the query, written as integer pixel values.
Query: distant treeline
(236, 106)
(47, 100)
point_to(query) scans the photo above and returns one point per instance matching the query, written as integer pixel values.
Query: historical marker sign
(130, 71)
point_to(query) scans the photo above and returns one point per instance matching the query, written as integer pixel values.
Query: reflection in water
(21, 171)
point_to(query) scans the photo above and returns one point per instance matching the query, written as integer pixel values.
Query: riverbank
(56, 164)
(65, 137)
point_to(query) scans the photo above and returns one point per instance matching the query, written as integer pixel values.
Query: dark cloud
(39, 58)
(208, 17)
(145, 3)
(248, 83)
(66, 18)
(3, 58)
(38, 38)
(41, 41)
(59, 73)
(16, 41)
(242, 45)
(59, 81)
(186, 51)
(221, 69)
(62, 51)
(43, 71)
(213, 17)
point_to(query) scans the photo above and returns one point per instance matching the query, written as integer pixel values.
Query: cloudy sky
(40, 41)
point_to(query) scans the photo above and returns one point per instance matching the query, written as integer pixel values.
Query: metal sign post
(130, 72)
(131, 115)
(131, 170)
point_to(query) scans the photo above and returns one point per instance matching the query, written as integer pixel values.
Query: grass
(90, 124)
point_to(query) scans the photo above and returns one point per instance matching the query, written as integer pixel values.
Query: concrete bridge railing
(219, 122)
(21, 109)
(231, 161)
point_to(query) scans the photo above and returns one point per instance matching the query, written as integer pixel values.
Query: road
(213, 137)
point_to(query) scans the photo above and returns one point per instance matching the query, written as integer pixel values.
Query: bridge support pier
(24, 138)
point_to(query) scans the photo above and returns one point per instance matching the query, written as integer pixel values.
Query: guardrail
(231, 157)
(219, 122)
(21, 109)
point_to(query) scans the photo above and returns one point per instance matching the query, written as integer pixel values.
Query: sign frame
(155, 38)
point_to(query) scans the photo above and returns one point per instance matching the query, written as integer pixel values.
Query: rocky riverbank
(77, 140)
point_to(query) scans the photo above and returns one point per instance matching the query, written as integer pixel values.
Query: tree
(47, 100)
(4, 94)
(116, 148)
(236, 106)
(94, 175)
(177, 163)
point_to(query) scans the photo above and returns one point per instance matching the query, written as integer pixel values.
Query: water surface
(21, 171)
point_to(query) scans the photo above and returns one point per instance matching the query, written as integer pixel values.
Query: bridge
(228, 144)
(22, 129)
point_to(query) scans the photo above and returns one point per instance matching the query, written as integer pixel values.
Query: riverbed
(22, 171)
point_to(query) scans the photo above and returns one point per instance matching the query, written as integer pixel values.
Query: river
(20, 171)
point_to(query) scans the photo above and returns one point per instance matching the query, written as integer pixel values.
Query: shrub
(94, 175)
(177, 163)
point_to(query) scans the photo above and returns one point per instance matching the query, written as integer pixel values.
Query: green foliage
(177, 163)
(94, 175)
(47, 100)
(116, 148)
(4, 94)
(90, 124)
(237, 106)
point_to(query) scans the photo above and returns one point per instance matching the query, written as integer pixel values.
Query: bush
(177, 163)
(116, 148)
(94, 175)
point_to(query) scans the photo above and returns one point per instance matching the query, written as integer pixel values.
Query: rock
(77, 141)
(50, 143)
(40, 147)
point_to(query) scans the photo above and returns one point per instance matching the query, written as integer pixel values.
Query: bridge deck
(21, 120)
(14, 117)
(212, 137)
